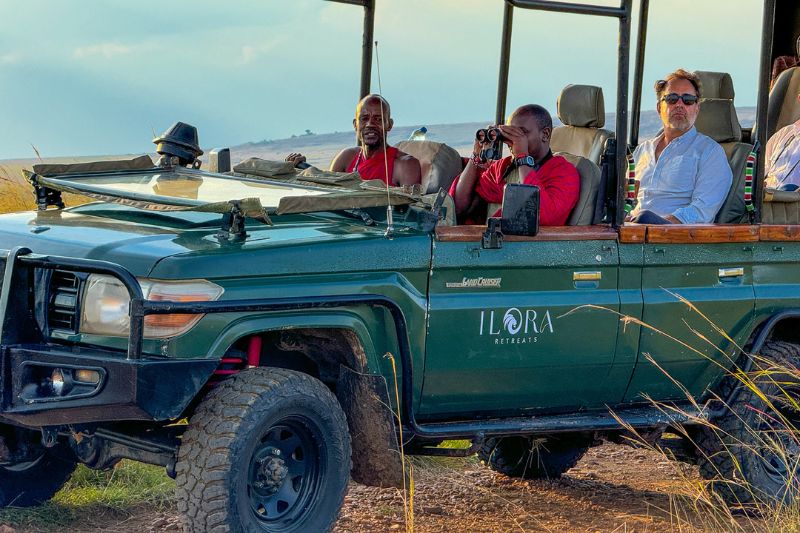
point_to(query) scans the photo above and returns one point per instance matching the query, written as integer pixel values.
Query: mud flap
(376, 455)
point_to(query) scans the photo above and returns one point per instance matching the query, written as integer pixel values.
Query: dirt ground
(612, 489)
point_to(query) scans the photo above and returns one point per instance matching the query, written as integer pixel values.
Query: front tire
(267, 450)
(533, 457)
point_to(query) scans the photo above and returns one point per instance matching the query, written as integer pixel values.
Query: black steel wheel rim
(285, 472)
(780, 450)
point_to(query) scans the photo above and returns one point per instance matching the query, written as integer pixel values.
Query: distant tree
(308, 132)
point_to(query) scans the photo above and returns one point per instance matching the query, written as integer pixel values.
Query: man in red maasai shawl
(373, 159)
(527, 133)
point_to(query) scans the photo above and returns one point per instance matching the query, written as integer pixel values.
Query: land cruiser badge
(474, 283)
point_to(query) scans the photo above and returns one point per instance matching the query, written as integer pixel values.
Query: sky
(91, 77)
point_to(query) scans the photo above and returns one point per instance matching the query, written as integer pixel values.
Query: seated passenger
(527, 133)
(373, 159)
(783, 157)
(683, 176)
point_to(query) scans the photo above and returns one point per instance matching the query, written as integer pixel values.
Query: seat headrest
(715, 84)
(717, 119)
(581, 106)
(439, 163)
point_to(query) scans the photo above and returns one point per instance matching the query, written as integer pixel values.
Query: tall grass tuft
(747, 448)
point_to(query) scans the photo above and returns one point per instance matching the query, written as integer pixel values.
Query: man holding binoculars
(527, 133)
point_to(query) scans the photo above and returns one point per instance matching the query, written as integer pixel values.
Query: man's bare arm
(465, 188)
(342, 159)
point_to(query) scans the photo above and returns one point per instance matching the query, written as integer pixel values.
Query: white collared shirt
(689, 180)
(783, 157)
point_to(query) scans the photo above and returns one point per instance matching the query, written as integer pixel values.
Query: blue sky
(102, 76)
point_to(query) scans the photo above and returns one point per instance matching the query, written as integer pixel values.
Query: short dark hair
(539, 114)
(679, 74)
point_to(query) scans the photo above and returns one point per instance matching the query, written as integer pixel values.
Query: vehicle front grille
(62, 311)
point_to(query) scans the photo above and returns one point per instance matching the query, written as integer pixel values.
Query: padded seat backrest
(440, 164)
(717, 119)
(582, 111)
(583, 212)
(783, 108)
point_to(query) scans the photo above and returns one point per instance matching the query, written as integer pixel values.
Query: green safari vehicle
(266, 334)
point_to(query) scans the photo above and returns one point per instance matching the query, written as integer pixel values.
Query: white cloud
(252, 52)
(9, 58)
(107, 50)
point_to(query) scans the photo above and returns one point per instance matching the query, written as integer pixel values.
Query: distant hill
(321, 148)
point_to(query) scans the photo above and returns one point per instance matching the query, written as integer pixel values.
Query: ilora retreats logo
(515, 326)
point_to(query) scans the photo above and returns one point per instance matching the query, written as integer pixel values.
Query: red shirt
(558, 181)
(375, 167)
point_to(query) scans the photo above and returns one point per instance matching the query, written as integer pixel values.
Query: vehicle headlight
(106, 302)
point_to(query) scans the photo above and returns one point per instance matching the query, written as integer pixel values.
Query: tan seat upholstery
(783, 108)
(582, 111)
(583, 212)
(440, 164)
(717, 119)
(780, 207)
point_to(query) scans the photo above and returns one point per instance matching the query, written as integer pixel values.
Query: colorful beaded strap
(630, 193)
(749, 170)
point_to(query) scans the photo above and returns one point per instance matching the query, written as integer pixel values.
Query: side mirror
(520, 215)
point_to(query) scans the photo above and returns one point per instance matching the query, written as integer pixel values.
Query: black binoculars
(491, 140)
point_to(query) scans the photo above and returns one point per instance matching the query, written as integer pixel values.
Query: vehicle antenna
(389, 212)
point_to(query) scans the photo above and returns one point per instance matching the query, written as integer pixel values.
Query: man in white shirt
(783, 158)
(683, 175)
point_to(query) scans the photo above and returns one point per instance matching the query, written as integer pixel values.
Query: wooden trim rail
(639, 233)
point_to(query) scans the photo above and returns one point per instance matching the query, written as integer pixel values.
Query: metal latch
(492, 237)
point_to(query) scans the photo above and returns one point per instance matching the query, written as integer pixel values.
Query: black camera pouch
(520, 210)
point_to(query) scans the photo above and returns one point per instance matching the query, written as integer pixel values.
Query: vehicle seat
(582, 111)
(783, 108)
(780, 207)
(583, 212)
(440, 164)
(717, 119)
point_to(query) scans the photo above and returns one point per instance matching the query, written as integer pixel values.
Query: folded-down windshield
(258, 188)
(183, 185)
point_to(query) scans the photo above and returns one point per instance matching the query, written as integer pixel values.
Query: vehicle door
(697, 289)
(506, 330)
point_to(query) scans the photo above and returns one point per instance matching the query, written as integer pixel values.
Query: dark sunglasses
(688, 99)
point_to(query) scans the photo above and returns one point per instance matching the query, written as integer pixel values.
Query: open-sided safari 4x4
(249, 330)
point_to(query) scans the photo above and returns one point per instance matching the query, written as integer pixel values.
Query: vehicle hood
(185, 245)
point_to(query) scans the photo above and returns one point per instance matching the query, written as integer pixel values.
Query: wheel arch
(783, 326)
(344, 329)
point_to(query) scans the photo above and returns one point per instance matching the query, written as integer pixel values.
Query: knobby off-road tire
(752, 456)
(267, 450)
(533, 457)
(34, 482)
